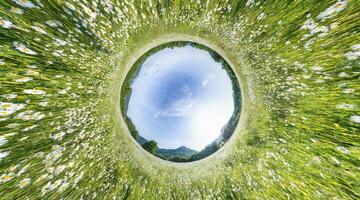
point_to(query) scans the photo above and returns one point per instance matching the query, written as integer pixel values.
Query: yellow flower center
(6, 106)
(338, 5)
(23, 183)
(6, 178)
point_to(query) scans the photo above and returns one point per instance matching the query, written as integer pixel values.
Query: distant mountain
(221, 136)
(169, 154)
(141, 140)
(182, 151)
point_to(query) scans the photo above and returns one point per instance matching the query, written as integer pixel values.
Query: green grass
(298, 139)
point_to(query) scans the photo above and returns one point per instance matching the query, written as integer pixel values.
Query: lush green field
(62, 64)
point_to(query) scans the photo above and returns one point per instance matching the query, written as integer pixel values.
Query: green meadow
(63, 63)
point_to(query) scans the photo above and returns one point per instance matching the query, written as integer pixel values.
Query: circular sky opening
(181, 101)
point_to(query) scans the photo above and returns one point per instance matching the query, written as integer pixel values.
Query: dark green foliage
(210, 149)
(132, 128)
(150, 146)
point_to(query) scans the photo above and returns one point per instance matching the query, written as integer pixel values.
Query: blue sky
(181, 97)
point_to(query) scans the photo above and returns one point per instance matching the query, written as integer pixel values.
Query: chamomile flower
(3, 140)
(24, 79)
(53, 23)
(34, 91)
(261, 16)
(6, 177)
(6, 24)
(22, 48)
(332, 10)
(16, 10)
(58, 136)
(354, 53)
(59, 42)
(30, 115)
(70, 6)
(317, 68)
(24, 3)
(342, 150)
(32, 66)
(22, 170)
(346, 106)
(38, 29)
(89, 12)
(355, 118)
(32, 72)
(3, 154)
(25, 182)
(7, 108)
(43, 103)
(9, 96)
(348, 91)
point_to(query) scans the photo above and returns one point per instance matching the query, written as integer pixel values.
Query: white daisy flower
(64, 91)
(332, 10)
(59, 42)
(9, 134)
(9, 108)
(3, 154)
(43, 104)
(89, 12)
(356, 47)
(250, 2)
(32, 72)
(13, 167)
(355, 118)
(334, 25)
(59, 76)
(16, 10)
(29, 128)
(59, 169)
(2, 62)
(63, 186)
(346, 106)
(261, 16)
(58, 136)
(24, 79)
(32, 66)
(58, 53)
(309, 24)
(24, 3)
(22, 170)
(38, 29)
(70, 6)
(354, 54)
(34, 91)
(22, 48)
(53, 23)
(9, 96)
(24, 183)
(30, 115)
(6, 24)
(3, 140)
(343, 74)
(348, 91)
(13, 125)
(342, 149)
(6, 177)
(317, 68)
